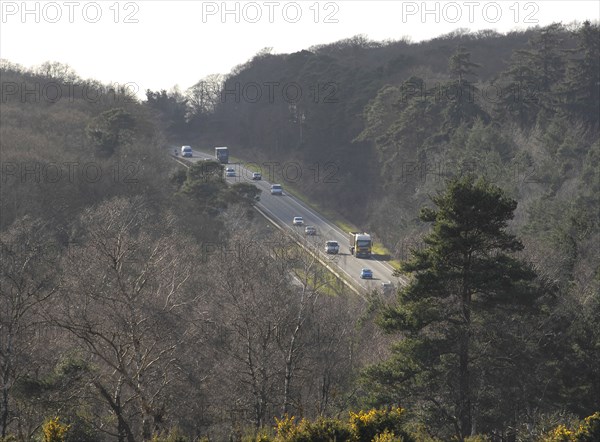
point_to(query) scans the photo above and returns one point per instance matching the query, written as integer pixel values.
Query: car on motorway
(310, 230)
(186, 151)
(229, 172)
(332, 247)
(257, 176)
(298, 221)
(387, 287)
(366, 274)
(276, 189)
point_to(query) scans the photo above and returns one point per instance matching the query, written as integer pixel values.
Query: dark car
(387, 287)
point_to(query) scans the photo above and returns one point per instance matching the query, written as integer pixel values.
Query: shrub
(54, 431)
(588, 431)
(322, 430)
(367, 425)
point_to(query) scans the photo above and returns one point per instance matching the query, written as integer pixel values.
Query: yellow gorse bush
(561, 433)
(366, 425)
(387, 436)
(54, 431)
(588, 431)
(286, 427)
(362, 419)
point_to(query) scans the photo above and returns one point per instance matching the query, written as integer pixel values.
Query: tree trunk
(115, 404)
(6, 368)
(464, 389)
(464, 400)
(4, 406)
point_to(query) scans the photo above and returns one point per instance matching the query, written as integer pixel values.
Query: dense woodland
(143, 301)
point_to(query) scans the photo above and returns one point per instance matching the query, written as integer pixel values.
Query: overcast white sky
(159, 44)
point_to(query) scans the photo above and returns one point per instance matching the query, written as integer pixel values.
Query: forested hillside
(392, 121)
(141, 300)
(377, 126)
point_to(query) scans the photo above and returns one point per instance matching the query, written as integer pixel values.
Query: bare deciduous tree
(204, 96)
(127, 293)
(272, 341)
(28, 281)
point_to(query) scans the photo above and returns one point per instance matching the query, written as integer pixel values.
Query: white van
(186, 151)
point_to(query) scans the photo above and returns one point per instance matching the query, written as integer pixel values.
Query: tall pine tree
(582, 83)
(465, 290)
(459, 95)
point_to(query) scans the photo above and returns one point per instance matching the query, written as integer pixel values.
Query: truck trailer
(222, 155)
(360, 244)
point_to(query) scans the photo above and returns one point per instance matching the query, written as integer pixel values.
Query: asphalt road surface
(283, 208)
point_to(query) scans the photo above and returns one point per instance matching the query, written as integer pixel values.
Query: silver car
(310, 230)
(332, 247)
